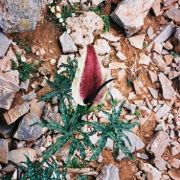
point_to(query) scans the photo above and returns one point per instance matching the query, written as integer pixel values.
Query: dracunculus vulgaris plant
(88, 86)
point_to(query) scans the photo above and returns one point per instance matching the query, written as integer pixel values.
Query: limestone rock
(4, 151)
(159, 61)
(95, 3)
(153, 76)
(28, 130)
(68, 46)
(116, 94)
(151, 172)
(8, 88)
(110, 37)
(138, 86)
(169, 2)
(84, 27)
(19, 16)
(19, 155)
(153, 92)
(144, 59)
(134, 144)
(174, 14)
(130, 14)
(121, 56)
(167, 89)
(137, 41)
(157, 7)
(13, 114)
(102, 47)
(163, 35)
(162, 111)
(161, 141)
(176, 40)
(37, 107)
(4, 42)
(109, 172)
(174, 174)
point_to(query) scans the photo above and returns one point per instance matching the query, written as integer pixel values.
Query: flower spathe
(89, 78)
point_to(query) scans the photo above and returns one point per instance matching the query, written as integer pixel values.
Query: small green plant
(37, 171)
(61, 86)
(24, 68)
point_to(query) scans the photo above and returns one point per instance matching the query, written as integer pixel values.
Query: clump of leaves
(115, 129)
(99, 11)
(61, 86)
(24, 68)
(37, 171)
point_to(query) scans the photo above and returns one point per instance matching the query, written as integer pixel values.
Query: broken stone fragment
(158, 145)
(4, 151)
(109, 172)
(153, 76)
(8, 88)
(133, 143)
(176, 40)
(95, 3)
(121, 56)
(157, 7)
(144, 59)
(29, 129)
(110, 37)
(68, 46)
(117, 65)
(162, 36)
(162, 111)
(37, 107)
(153, 92)
(158, 60)
(19, 155)
(13, 114)
(19, 16)
(174, 14)
(4, 43)
(169, 2)
(116, 94)
(167, 89)
(84, 27)
(151, 172)
(102, 47)
(138, 86)
(130, 14)
(160, 163)
(174, 174)
(137, 41)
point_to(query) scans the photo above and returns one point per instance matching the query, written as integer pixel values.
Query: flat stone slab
(4, 150)
(4, 44)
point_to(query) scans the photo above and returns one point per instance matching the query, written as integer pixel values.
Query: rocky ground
(141, 49)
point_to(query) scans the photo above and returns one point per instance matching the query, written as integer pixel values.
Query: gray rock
(169, 2)
(153, 92)
(4, 150)
(28, 130)
(174, 14)
(19, 16)
(8, 88)
(4, 44)
(163, 111)
(19, 155)
(68, 45)
(162, 36)
(176, 40)
(13, 114)
(151, 172)
(133, 143)
(153, 76)
(109, 172)
(158, 145)
(167, 89)
(130, 14)
(158, 60)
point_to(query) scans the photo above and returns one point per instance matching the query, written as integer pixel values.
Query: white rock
(109, 172)
(159, 61)
(84, 27)
(110, 37)
(130, 107)
(102, 47)
(153, 92)
(151, 172)
(157, 7)
(116, 94)
(95, 3)
(134, 143)
(68, 46)
(94, 138)
(153, 76)
(121, 56)
(63, 59)
(130, 14)
(109, 144)
(167, 89)
(137, 41)
(138, 86)
(144, 59)
(150, 32)
(163, 111)
(117, 65)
